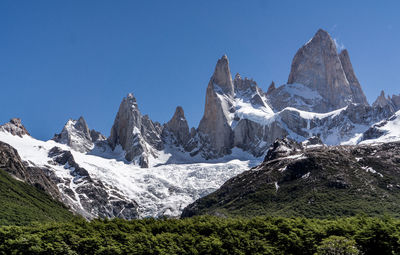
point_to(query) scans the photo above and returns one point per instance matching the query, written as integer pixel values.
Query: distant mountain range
(150, 169)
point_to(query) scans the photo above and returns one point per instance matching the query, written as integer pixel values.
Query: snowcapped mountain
(104, 184)
(148, 169)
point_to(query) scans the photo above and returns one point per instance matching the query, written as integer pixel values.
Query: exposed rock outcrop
(91, 198)
(282, 148)
(15, 127)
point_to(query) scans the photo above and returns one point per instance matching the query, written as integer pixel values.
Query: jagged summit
(15, 127)
(322, 35)
(318, 66)
(78, 136)
(179, 127)
(222, 76)
(134, 132)
(239, 124)
(381, 100)
(271, 88)
(214, 127)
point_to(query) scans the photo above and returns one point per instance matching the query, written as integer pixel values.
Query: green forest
(206, 235)
(21, 203)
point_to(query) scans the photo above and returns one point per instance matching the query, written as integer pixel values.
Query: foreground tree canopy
(206, 235)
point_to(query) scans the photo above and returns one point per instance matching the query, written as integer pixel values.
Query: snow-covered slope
(384, 131)
(165, 188)
(296, 95)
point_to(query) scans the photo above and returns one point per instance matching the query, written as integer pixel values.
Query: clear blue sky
(64, 59)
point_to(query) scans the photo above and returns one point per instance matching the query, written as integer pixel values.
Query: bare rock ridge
(136, 134)
(90, 197)
(78, 136)
(318, 66)
(392, 103)
(239, 114)
(15, 127)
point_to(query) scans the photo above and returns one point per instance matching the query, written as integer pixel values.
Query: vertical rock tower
(214, 127)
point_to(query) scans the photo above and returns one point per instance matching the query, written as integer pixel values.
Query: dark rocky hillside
(312, 181)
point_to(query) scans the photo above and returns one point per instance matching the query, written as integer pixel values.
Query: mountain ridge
(145, 168)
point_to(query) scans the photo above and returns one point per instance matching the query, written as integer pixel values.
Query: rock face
(15, 127)
(178, 128)
(251, 134)
(90, 197)
(240, 114)
(311, 181)
(136, 134)
(357, 92)
(396, 101)
(214, 128)
(11, 162)
(271, 88)
(318, 66)
(78, 136)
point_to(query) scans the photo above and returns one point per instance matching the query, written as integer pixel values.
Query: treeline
(206, 235)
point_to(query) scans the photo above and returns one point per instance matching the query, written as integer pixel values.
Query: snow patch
(163, 189)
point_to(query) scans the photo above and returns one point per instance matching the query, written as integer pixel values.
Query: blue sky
(64, 59)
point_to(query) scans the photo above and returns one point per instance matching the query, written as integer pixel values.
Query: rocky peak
(247, 89)
(312, 141)
(271, 88)
(82, 126)
(222, 78)
(214, 127)
(179, 127)
(78, 136)
(15, 127)
(382, 100)
(318, 66)
(134, 132)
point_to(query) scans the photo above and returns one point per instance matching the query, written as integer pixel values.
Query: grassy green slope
(21, 203)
